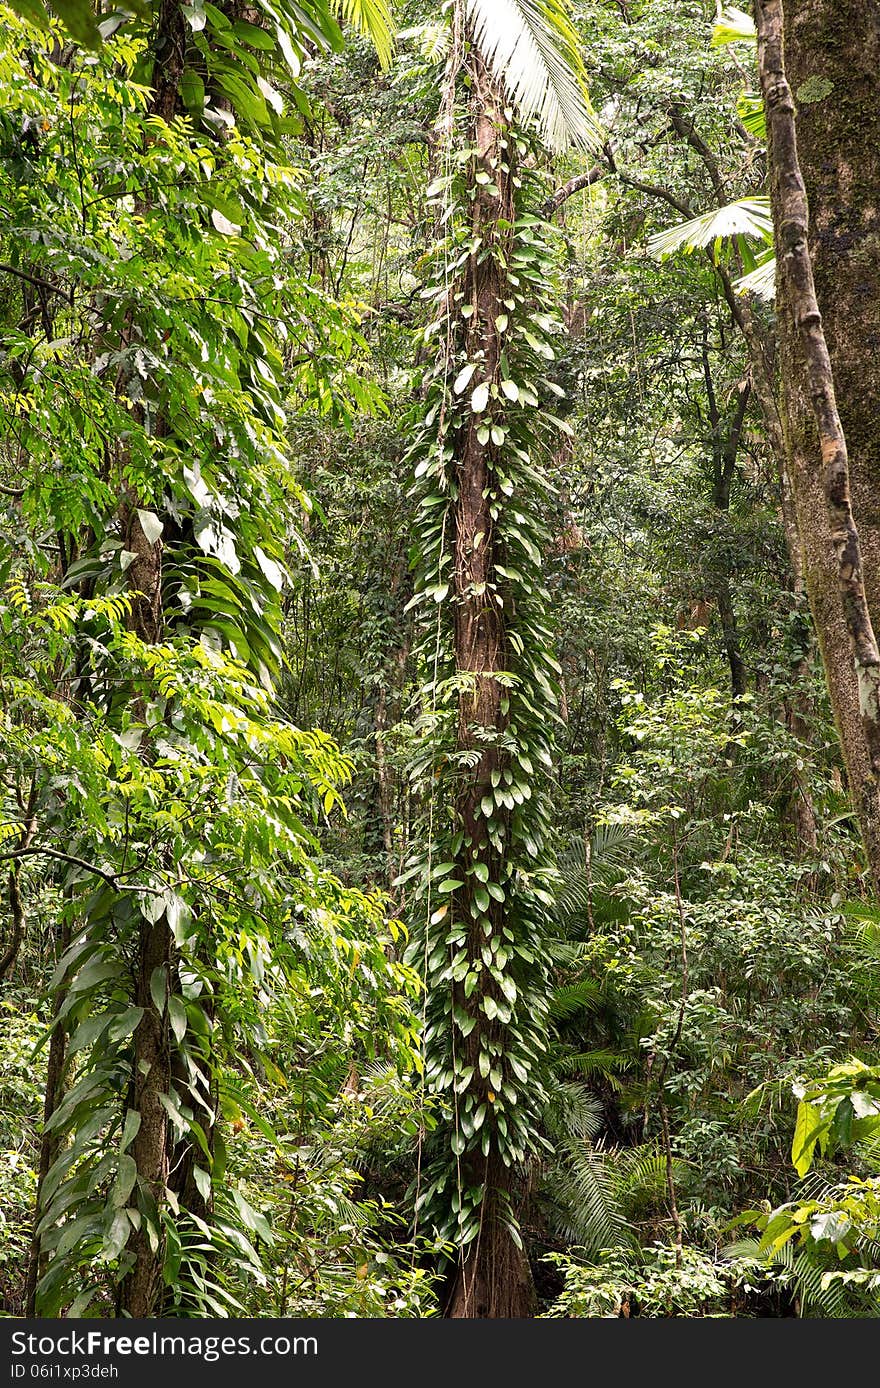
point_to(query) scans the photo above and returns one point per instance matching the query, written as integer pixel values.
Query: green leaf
(177, 1017)
(32, 10)
(463, 377)
(79, 20)
(449, 884)
(223, 224)
(158, 987)
(270, 570)
(192, 91)
(203, 1182)
(808, 1126)
(733, 26)
(116, 1238)
(130, 1128)
(151, 526)
(126, 1176)
(125, 1023)
(480, 398)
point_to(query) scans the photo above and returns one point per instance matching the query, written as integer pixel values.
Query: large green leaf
(78, 18)
(733, 26)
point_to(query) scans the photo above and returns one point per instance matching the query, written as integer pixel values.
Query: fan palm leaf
(533, 51)
(733, 26)
(746, 217)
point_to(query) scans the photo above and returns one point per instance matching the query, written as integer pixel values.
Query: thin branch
(689, 133)
(35, 280)
(108, 877)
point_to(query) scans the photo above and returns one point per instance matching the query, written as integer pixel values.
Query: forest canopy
(440, 701)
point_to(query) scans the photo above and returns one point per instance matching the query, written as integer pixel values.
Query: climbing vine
(484, 871)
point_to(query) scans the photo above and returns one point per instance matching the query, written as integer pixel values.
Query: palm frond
(588, 877)
(432, 39)
(611, 848)
(571, 998)
(373, 19)
(750, 110)
(533, 51)
(642, 1178)
(733, 26)
(745, 217)
(573, 1112)
(761, 280)
(602, 1063)
(584, 1205)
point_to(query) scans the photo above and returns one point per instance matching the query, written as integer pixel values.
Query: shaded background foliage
(212, 320)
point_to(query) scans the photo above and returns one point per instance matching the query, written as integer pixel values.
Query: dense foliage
(431, 883)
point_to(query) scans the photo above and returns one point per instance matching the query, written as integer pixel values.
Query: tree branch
(108, 877)
(574, 185)
(35, 280)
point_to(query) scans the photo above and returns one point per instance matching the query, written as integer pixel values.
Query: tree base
(494, 1282)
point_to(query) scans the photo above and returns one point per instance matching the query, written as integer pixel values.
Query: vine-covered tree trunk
(152, 1082)
(49, 1141)
(483, 863)
(832, 60)
(155, 971)
(494, 1279)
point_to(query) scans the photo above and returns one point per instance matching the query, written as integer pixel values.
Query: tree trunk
(832, 60)
(142, 1287)
(832, 48)
(152, 1082)
(494, 1279)
(50, 1143)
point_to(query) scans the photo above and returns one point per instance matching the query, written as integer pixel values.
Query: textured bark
(494, 1279)
(144, 576)
(10, 954)
(832, 49)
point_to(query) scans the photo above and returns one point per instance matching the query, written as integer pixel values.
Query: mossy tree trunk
(832, 60)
